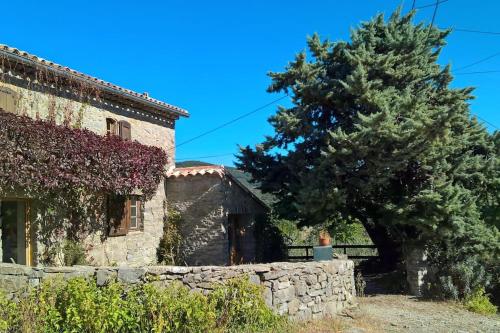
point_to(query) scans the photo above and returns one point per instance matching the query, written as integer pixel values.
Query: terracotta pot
(324, 241)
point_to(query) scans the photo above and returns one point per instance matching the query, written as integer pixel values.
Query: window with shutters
(118, 215)
(111, 126)
(124, 215)
(125, 130)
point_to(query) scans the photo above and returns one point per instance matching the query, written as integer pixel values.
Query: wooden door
(235, 255)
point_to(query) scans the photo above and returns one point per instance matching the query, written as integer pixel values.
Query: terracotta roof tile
(213, 170)
(197, 170)
(7, 50)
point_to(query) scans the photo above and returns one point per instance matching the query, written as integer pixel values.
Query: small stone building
(219, 215)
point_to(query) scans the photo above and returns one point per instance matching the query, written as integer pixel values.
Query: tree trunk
(389, 249)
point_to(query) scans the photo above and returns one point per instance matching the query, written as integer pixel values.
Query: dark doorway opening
(236, 233)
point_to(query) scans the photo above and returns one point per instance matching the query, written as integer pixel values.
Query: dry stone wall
(299, 290)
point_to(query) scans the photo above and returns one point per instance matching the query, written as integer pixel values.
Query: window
(134, 213)
(121, 128)
(111, 126)
(125, 130)
(124, 214)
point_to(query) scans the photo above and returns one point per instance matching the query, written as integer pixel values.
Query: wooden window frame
(30, 240)
(138, 212)
(125, 225)
(111, 126)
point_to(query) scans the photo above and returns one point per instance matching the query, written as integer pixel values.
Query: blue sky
(211, 57)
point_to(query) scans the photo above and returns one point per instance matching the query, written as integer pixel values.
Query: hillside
(243, 177)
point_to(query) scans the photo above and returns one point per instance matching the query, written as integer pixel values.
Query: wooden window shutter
(125, 130)
(118, 215)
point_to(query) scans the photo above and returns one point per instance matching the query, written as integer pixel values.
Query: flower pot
(324, 241)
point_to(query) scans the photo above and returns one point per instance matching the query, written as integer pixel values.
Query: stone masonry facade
(205, 202)
(22, 95)
(302, 291)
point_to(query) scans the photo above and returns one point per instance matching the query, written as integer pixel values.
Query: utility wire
(436, 5)
(487, 122)
(479, 61)
(413, 5)
(231, 121)
(477, 31)
(478, 72)
(429, 5)
(200, 157)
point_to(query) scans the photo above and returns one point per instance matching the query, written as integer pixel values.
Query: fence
(305, 252)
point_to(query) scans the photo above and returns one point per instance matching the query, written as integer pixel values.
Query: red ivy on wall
(41, 159)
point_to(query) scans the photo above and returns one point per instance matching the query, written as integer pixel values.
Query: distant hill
(243, 177)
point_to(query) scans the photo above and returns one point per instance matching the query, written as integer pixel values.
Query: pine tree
(376, 133)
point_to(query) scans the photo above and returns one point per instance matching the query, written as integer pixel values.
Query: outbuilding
(219, 215)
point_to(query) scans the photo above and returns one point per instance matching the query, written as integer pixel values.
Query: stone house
(219, 212)
(219, 215)
(39, 88)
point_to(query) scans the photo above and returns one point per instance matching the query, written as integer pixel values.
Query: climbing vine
(46, 161)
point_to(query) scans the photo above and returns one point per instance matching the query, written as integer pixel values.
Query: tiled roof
(28, 58)
(197, 170)
(213, 170)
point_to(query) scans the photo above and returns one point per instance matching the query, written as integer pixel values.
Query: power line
(429, 5)
(477, 31)
(413, 5)
(478, 62)
(436, 5)
(435, 11)
(199, 157)
(478, 72)
(231, 121)
(487, 122)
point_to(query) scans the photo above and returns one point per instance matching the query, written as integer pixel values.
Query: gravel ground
(400, 313)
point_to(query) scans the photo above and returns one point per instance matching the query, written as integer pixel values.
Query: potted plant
(324, 238)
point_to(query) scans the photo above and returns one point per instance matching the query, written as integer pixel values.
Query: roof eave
(165, 108)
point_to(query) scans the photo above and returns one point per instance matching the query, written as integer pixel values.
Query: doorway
(236, 234)
(13, 228)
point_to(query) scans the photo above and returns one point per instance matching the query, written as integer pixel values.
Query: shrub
(79, 305)
(73, 253)
(169, 248)
(456, 275)
(239, 306)
(479, 302)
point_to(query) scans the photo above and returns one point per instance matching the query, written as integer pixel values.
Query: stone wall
(23, 96)
(299, 290)
(200, 199)
(417, 269)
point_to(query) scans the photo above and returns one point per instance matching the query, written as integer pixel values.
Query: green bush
(169, 248)
(79, 305)
(479, 302)
(457, 276)
(239, 310)
(74, 253)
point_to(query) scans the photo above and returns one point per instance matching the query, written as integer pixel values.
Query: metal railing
(308, 251)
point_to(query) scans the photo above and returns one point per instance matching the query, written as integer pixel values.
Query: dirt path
(400, 313)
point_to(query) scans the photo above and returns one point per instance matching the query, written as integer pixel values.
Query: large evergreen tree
(377, 134)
